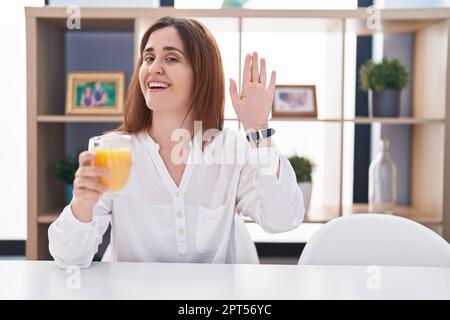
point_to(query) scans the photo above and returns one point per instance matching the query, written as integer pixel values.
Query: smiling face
(182, 56)
(166, 76)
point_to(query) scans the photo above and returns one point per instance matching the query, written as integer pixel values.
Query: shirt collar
(149, 143)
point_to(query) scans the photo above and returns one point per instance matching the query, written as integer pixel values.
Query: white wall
(13, 198)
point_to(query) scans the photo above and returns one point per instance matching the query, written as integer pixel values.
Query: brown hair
(208, 86)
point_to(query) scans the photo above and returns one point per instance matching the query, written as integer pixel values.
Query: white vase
(306, 188)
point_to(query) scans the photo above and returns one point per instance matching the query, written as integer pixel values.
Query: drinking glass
(113, 151)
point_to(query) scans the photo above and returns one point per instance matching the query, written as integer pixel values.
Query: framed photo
(294, 101)
(95, 93)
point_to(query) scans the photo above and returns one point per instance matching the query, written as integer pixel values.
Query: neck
(164, 124)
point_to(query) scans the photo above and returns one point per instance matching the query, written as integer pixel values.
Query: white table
(43, 280)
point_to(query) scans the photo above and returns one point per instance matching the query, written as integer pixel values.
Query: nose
(155, 67)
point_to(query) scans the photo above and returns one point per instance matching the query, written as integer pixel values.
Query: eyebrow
(151, 49)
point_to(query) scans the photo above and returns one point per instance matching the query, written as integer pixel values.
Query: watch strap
(258, 135)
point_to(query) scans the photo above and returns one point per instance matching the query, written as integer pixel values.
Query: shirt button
(180, 232)
(177, 194)
(179, 214)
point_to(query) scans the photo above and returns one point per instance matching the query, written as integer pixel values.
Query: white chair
(245, 247)
(375, 239)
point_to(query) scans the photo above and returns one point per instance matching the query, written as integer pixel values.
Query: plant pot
(306, 188)
(69, 193)
(384, 103)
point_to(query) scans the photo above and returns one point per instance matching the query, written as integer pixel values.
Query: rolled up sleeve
(72, 242)
(275, 203)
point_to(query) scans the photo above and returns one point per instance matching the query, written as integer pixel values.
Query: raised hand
(254, 103)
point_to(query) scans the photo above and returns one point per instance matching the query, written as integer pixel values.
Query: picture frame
(95, 93)
(294, 101)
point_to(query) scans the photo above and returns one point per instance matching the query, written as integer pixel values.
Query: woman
(86, 97)
(182, 211)
(99, 94)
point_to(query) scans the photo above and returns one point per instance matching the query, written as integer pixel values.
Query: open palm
(254, 103)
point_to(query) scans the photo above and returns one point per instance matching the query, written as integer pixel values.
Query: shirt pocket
(211, 224)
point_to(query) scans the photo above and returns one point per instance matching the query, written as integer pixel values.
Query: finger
(233, 92)
(87, 194)
(262, 75)
(91, 172)
(89, 184)
(86, 158)
(273, 79)
(255, 67)
(247, 77)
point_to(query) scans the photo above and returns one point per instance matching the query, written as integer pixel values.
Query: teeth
(158, 84)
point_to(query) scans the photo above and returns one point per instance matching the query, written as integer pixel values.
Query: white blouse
(154, 220)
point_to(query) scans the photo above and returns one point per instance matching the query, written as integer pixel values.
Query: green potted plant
(64, 169)
(303, 168)
(384, 82)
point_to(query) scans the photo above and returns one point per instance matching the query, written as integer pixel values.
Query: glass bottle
(382, 181)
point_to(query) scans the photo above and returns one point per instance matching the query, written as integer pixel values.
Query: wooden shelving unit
(430, 157)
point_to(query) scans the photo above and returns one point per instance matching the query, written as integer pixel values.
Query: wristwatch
(257, 136)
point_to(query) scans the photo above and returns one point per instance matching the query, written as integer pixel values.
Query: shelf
(315, 215)
(402, 15)
(114, 24)
(78, 119)
(305, 119)
(49, 217)
(87, 119)
(401, 211)
(394, 120)
(357, 120)
(321, 214)
(391, 20)
(326, 214)
(366, 120)
(359, 26)
(302, 234)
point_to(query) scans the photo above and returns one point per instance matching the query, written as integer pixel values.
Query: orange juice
(118, 162)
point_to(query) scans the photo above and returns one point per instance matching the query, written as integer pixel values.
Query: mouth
(155, 86)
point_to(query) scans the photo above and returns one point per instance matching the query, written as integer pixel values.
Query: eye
(149, 59)
(172, 59)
